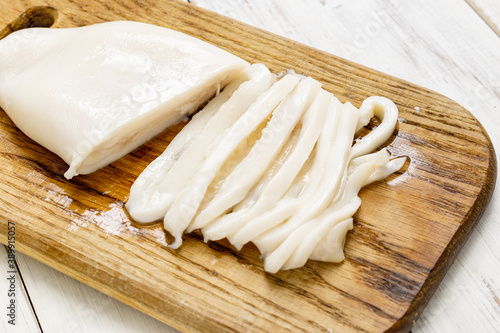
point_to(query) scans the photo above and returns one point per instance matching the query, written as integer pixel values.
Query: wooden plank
(12, 289)
(53, 292)
(489, 10)
(88, 217)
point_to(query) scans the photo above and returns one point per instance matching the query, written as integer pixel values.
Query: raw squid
(277, 180)
(285, 175)
(266, 161)
(93, 94)
(298, 244)
(304, 186)
(187, 202)
(235, 187)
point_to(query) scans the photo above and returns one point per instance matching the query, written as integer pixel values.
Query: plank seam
(483, 16)
(23, 286)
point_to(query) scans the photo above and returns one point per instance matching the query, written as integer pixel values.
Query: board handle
(39, 16)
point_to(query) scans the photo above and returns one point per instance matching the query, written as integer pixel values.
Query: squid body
(92, 94)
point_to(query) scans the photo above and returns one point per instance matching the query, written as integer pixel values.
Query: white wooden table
(450, 46)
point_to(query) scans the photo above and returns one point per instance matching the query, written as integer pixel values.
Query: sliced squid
(335, 172)
(278, 178)
(155, 189)
(93, 94)
(271, 163)
(304, 186)
(374, 106)
(187, 202)
(237, 184)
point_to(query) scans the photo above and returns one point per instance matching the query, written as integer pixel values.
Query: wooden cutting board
(407, 232)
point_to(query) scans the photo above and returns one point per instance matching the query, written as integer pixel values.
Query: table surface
(450, 46)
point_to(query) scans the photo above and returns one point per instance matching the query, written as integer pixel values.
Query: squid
(304, 185)
(283, 172)
(267, 159)
(237, 184)
(231, 145)
(93, 94)
(277, 179)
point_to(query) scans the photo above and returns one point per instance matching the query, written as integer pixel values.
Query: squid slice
(236, 186)
(317, 202)
(278, 178)
(93, 94)
(155, 189)
(187, 202)
(328, 249)
(305, 186)
(384, 109)
(382, 171)
(385, 171)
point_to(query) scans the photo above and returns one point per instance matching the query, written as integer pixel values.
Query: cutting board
(406, 234)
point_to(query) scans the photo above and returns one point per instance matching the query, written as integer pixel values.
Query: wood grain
(407, 231)
(52, 292)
